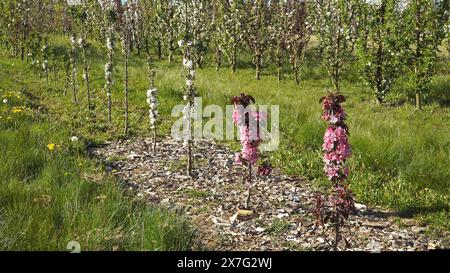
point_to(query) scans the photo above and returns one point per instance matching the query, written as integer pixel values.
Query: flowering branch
(248, 123)
(336, 152)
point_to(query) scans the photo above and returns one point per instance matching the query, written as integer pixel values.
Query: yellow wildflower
(51, 146)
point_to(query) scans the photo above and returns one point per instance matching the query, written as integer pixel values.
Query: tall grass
(51, 197)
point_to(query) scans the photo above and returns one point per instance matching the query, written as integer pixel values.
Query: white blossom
(152, 102)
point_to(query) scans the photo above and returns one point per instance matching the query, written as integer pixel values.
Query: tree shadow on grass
(409, 212)
(440, 92)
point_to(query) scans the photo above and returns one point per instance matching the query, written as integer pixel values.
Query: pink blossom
(238, 158)
(236, 117)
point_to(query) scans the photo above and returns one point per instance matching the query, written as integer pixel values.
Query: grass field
(52, 192)
(400, 155)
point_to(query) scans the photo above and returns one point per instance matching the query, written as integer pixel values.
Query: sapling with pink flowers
(336, 152)
(248, 122)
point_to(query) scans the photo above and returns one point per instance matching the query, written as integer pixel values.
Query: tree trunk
(159, 50)
(126, 91)
(234, 61)
(170, 56)
(418, 101)
(249, 186)
(86, 73)
(279, 74)
(218, 59)
(336, 232)
(296, 76)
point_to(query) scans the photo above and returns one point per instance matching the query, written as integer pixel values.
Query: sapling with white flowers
(278, 35)
(381, 52)
(73, 63)
(126, 43)
(256, 31)
(168, 18)
(232, 35)
(336, 27)
(111, 18)
(152, 100)
(189, 96)
(45, 55)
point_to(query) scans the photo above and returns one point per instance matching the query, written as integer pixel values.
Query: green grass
(400, 154)
(48, 200)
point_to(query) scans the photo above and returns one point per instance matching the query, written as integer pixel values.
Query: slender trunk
(74, 75)
(109, 90)
(336, 231)
(258, 72)
(336, 78)
(170, 55)
(418, 100)
(258, 66)
(189, 143)
(151, 76)
(189, 155)
(67, 69)
(234, 60)
(218, 59)
(126, 92)
(249, 186)
(86, 78)
(295, 67)
(279, 74)
(159, 49)
(154, 138)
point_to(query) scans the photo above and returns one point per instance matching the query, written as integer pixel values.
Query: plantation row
(387, 38)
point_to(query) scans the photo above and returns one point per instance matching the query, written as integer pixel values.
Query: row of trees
(387, 37)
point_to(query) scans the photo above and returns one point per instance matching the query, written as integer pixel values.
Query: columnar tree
(126, 44)
(45, 56)
(152, 101)
(233, 28)
(216, 32)
(110, 19)
(381, 52)
(256, 31)
(80, 24)
(196, 15)
(278, 30)
(299, 34)
(168, 24)
(189, 96)
(248, 121)
(336, 27)
(337, 150)
(73, 64)
(425, 20)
